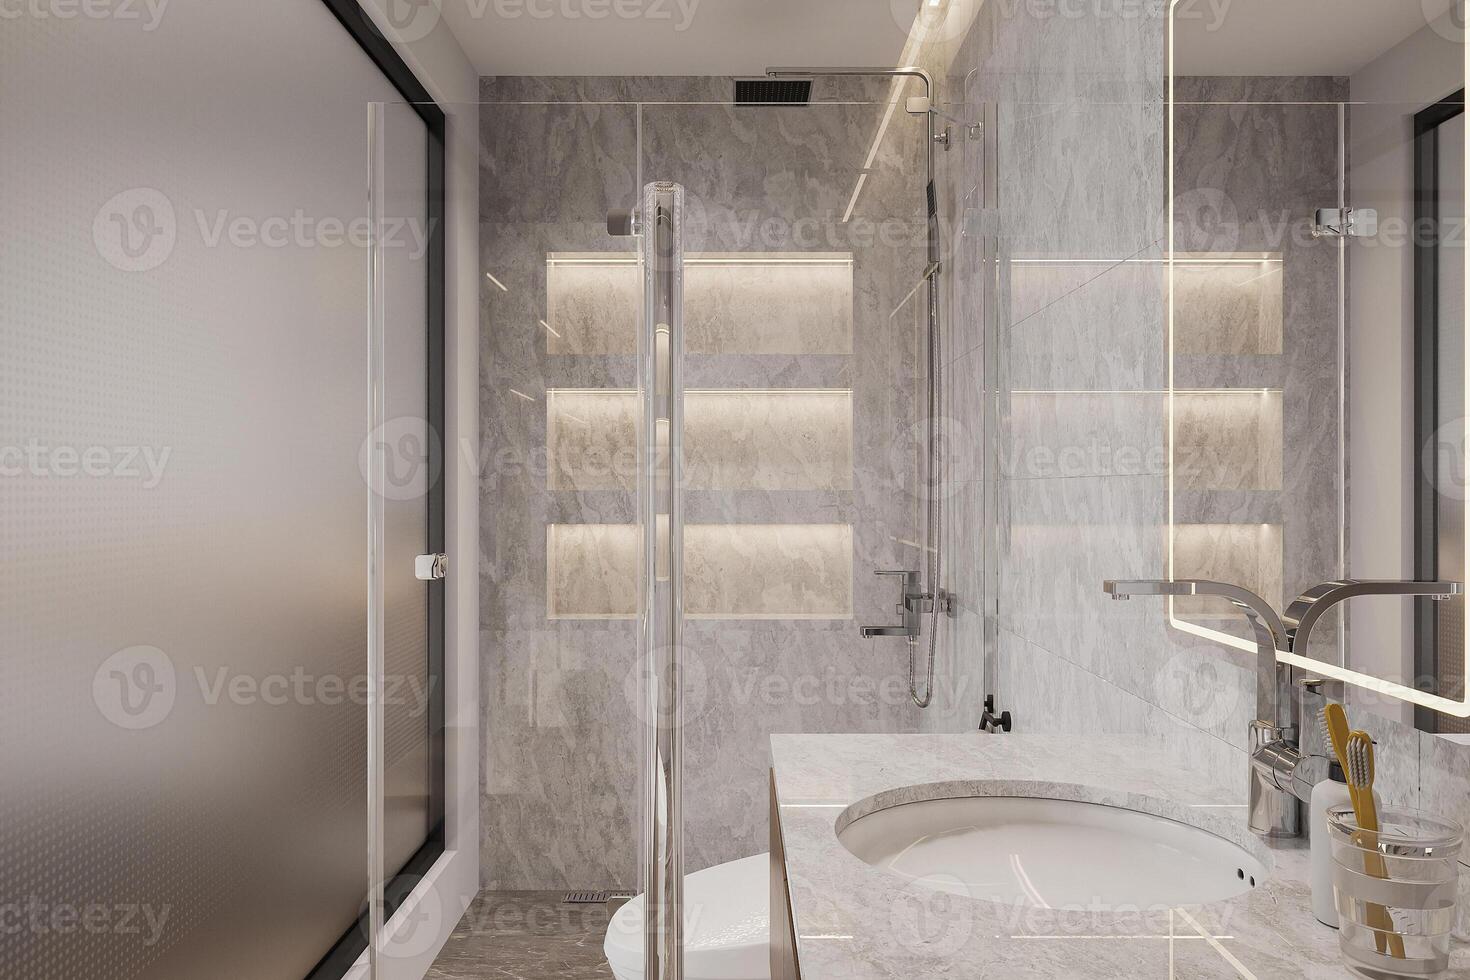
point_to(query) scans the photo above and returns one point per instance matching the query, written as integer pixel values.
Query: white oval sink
(1051, 853)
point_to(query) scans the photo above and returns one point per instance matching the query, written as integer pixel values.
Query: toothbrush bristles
(1357, 758)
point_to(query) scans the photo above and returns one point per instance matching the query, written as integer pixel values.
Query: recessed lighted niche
(731, 571)
(1249, 555)
(1228, 440)
(1227, 303)
(734, 303)
(742, 439)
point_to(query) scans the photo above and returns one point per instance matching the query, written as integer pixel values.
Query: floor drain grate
(593, 897)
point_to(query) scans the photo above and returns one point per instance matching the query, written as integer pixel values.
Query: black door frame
(360, 26)
(1426, 387)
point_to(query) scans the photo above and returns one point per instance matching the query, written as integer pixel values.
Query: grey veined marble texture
(855, 921)
(734, 303)
(804, 347)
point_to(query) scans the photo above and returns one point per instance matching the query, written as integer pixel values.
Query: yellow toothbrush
(1359, 770)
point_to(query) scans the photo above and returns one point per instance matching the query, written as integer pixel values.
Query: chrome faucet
(913, 602)
(1279, 774)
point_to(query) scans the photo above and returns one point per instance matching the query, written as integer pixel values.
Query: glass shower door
(402, 462)
(661, 578)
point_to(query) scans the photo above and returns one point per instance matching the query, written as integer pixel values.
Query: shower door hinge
(1345, 223)
(430, 568)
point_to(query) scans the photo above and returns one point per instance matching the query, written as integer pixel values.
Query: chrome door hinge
(430, 568)
(1345, 223)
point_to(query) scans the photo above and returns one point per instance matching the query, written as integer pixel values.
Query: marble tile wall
(1076, 361)
(760, 439)
(559, 711)
(1255, 155)
(1059, 379)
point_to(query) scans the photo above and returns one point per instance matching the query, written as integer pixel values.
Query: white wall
(1421, 70)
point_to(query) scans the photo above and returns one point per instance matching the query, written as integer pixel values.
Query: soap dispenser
(1330, 792)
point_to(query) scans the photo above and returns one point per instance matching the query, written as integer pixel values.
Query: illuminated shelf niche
(731, 571)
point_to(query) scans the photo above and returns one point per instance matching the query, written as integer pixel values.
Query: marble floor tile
(525, 935)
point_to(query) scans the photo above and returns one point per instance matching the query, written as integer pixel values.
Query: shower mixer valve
(913, 603)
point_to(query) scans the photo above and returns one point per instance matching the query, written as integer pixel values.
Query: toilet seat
(727, 925)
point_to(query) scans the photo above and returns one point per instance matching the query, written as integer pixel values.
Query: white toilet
(727, 923)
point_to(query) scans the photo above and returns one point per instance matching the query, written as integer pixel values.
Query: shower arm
(908, 71)
(905, 71)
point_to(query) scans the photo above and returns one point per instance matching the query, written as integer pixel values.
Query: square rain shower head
(773, 91)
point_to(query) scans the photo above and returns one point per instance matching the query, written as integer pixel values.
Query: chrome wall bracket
(992, 723)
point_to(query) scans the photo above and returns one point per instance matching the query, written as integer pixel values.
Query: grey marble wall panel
(1228, 440)
(768, 571)
(559, 712)
(1252, 165)
(763, 439)
(1245, 554)
(1231, 308)
(790, 305)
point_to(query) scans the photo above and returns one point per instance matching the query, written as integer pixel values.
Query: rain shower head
(773, 91)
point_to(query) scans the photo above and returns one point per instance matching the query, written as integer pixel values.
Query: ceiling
(675, 37)
(1293, 37)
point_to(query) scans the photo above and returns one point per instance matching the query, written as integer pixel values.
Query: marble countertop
(856, 921)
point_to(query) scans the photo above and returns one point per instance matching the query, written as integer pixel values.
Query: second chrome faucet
(1278, 778)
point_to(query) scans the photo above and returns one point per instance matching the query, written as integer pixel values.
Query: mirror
(1315, 294)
